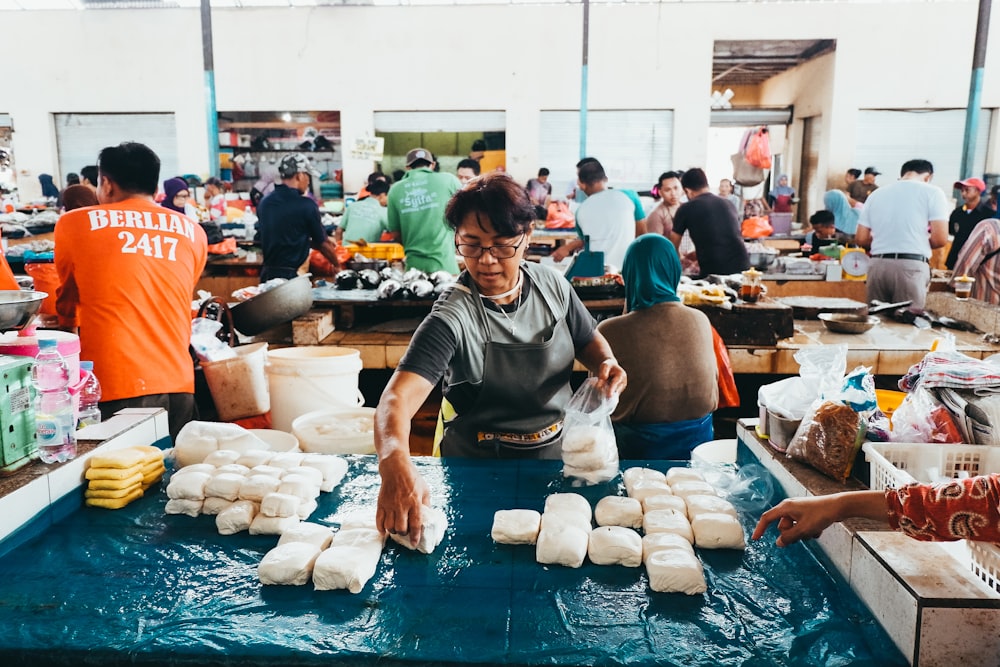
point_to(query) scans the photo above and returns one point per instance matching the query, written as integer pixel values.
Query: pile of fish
(393, 284)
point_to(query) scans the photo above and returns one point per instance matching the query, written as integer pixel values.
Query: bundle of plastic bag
(589, 447)
(834, 427)
(205, 340)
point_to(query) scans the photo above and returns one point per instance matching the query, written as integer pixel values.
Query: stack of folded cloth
(119, 477)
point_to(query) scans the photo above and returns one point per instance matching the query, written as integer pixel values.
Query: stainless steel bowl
(276, 306)
(762, 260)
(848, 322)
(17, 307)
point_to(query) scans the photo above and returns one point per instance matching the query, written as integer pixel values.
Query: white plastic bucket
(239, 386)
(311, 378)
(337, 431)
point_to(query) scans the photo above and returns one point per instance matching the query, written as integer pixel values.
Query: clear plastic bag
(921, 418)
(589, 447)
(205, 341)
(822, 367)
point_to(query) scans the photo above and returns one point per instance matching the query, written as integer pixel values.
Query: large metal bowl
(276, 306)
(18, 307)
(762, 260)
(848, 322)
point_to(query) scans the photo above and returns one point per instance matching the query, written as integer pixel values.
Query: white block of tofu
(256, 487)
(224, 485)
(303, 486)
(702, 504)
(197, 467)
(664, 502)
(306, 508)
(311, 533)
(645, 488)
(272, 525)
(632, 475)
(213, 506)
(568, 502)
(659, 541)
(221, 457)
(667, 521)
(279, 504)
(312, 474)
(615, 545)
(266, 471)
(675, 571)
(561, 544)
(255, 457)
(289, 564)
(188, 485)
(183, 506)
(286, 460)
(618, 511)
(582, 438)
(681, 474)
(357, 519)
(435, 523)
(516, 526)
(685, 488)
(349, 562)
(718, 531)
(556, 518)
(236, 518)
(333, 468)
(234, 468)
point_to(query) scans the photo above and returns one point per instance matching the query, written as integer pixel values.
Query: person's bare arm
(403, 491)
(600, 360)
(863, 237)
(566, 249)
(675, 238)
(938, 233)
(806, 518)
(640, 227)
(329, 250)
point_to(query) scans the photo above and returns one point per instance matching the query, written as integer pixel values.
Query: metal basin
(848, 322)
(276, 306)
(762, 260)
(18, 307)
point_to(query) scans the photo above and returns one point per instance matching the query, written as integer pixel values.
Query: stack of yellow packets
(119, 477)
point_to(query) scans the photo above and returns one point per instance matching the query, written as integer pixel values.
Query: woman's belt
(522, 440)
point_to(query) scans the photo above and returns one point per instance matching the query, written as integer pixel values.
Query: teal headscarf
(845, 217)
(652, 270)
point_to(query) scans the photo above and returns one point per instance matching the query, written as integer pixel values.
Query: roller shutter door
(81, 136)
(440, 121)
(887, 139)
(634, 146)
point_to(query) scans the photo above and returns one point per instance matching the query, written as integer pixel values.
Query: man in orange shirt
(128, 268)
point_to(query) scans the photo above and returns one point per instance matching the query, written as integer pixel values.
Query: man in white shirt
(607, 216)
(900, 224)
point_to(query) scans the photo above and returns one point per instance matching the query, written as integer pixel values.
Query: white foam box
(895, 464)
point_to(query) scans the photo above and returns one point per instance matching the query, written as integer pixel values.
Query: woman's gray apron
(525, 387)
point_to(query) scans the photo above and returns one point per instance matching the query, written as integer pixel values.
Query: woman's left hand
(611, 377)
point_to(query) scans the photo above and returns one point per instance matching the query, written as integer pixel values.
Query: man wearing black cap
(859, 191)
(416, 214)
(965, 217)
(289, 224)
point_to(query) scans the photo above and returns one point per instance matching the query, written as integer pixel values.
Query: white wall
(518, 58)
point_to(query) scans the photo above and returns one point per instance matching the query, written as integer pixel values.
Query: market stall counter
(135, 586)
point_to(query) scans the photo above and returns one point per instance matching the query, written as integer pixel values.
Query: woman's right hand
(401, 496)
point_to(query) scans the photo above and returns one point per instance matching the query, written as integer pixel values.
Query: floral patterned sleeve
(961, 509)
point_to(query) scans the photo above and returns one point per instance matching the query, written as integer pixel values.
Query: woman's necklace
(517, 308)
(512, 290)
(512, 320)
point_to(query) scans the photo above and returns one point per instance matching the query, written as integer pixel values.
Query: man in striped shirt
(980, 259)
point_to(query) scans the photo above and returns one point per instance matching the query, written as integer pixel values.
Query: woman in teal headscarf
(666, 349)
(845, 217)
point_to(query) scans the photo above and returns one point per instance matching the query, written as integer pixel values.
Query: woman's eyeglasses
(498, 251)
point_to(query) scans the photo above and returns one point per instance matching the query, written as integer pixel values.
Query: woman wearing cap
(666, 349)
(503, 339)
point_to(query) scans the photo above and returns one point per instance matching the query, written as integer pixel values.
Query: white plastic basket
(894, 464)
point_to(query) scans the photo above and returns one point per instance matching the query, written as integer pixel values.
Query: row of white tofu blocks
(259, 490)
(345, 559)
(673, 510)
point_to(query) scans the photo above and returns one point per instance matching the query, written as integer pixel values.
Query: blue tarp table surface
(136, 586)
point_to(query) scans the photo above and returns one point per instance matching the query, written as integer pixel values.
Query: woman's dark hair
(497, 197)
(132, 166)
(217, 182)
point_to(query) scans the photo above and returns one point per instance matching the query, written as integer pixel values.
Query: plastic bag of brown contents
(828, 438)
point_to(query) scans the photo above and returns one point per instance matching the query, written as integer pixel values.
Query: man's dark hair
(495, 197)
(90, 173)
(856, 173)
(543, 172)
(132, 166)
(918, 166)
(478, 145)
(378, 188)
(694, 179)
(670, 174)
(377, 176)
(591, 172)
(587, 160)
(417, 164)
(822, 218)
(72, 178)
(469, 163)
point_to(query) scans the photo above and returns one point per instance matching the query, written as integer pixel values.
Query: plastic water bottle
(90, 396)
(54, 420)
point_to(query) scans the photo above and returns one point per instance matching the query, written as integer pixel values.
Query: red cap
(971, 182)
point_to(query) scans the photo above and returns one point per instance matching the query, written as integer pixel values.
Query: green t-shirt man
(365, 219)
(416, 212)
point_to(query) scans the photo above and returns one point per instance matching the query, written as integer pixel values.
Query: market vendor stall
(138, 587)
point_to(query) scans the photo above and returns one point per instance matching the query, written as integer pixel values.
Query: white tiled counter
(924, 594)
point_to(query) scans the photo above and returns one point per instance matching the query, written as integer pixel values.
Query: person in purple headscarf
(176, 197)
